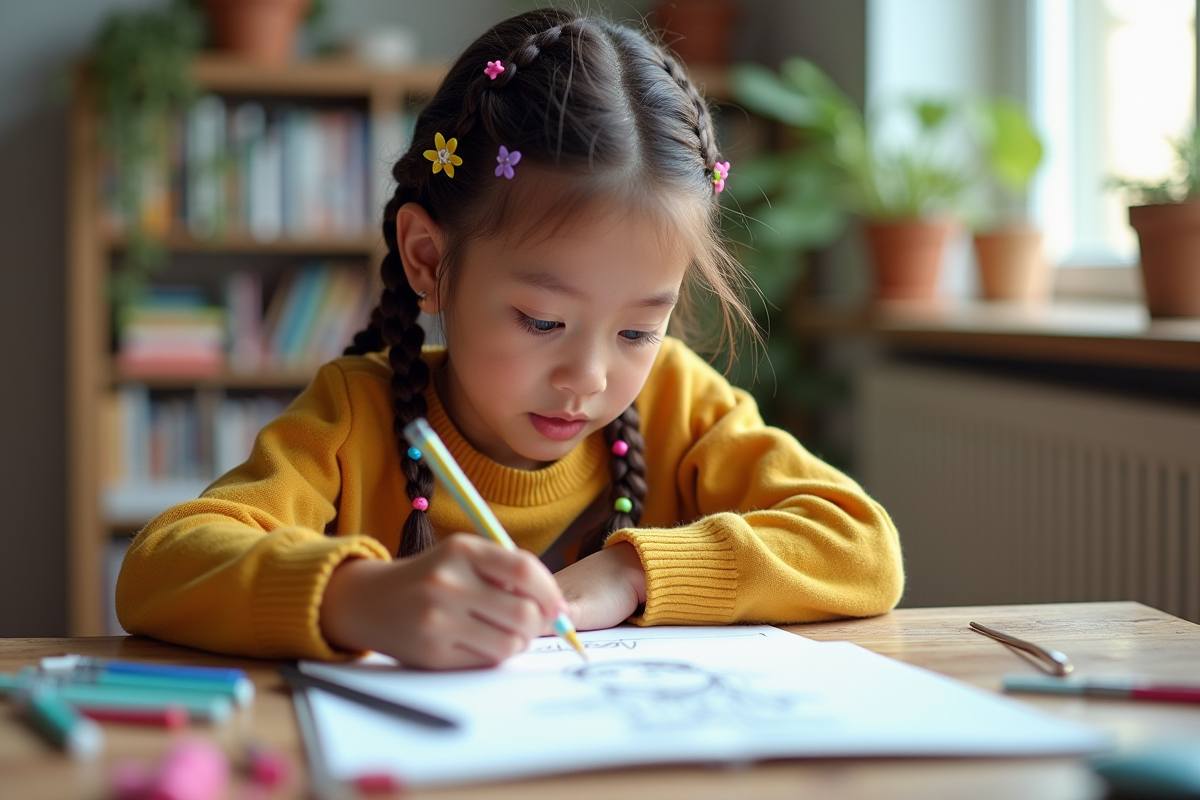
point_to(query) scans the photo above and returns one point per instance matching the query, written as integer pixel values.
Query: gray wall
(38, 40)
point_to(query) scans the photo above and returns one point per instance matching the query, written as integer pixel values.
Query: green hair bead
(624, 505)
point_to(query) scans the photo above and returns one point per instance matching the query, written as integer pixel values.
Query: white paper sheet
(669, 695)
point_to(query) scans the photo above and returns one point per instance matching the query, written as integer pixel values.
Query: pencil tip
(573, 638)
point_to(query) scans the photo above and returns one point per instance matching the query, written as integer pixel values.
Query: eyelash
(531, 324)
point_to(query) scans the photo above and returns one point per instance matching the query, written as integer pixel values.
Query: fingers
(521, 573)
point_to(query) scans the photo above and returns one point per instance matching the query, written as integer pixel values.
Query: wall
(38, 40)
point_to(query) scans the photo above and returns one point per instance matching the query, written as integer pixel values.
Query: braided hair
(581, 96)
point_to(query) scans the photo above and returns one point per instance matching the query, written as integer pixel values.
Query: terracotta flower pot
(1011, 264)
(1169, 237)
(263, 31)
(700, 31)
(907, 256)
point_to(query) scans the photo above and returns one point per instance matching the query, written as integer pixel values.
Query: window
(1111, 83)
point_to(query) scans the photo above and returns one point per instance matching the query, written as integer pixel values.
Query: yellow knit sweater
(741, 523)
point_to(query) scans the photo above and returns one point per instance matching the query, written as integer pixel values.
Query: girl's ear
(421, 246)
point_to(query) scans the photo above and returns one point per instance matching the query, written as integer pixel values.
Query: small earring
(421, 297)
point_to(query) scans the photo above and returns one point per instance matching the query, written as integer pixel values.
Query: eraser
(195, 769)
(267, 767)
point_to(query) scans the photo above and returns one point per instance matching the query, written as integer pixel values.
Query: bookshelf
(105, 506)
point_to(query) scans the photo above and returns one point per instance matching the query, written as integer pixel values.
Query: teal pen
(421, 435)
(199, 705)
(61, 723)
(240, 692)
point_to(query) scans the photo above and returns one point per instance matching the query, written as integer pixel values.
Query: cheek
(494, 360)
(625, 382)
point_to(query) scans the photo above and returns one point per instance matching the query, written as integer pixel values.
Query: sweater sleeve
(777, 535)
(242, 569)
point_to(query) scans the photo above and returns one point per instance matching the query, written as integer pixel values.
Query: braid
(704, 124)
(480, 89)
(369, 339)
(628, 473)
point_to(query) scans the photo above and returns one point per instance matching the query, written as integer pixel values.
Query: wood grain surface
(1103, 639)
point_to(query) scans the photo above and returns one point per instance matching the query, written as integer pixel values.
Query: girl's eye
(639, 337)
(534, 325)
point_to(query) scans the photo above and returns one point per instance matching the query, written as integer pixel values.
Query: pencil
(421, 435)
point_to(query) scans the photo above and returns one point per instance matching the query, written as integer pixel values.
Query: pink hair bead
(420, 504)
(620, 448)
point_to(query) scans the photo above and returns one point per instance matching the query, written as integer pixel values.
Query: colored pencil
(421, 435)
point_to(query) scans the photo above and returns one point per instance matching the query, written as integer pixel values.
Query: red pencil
(170, 717)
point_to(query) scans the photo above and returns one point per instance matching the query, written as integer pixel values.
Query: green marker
(62, 724)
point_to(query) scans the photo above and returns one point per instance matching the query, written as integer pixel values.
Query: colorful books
(173, 331)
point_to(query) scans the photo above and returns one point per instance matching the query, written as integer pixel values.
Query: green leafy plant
(1181, 186)
(140, 66)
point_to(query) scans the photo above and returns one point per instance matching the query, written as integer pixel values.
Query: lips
(558, 428)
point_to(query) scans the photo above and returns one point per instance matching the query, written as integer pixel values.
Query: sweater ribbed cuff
(691, 573)
(288, 592)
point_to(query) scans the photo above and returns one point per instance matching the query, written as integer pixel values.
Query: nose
(580, 370)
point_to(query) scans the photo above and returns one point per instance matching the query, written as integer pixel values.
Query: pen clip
(1051, 661)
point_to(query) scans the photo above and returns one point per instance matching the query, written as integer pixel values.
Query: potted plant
(1009, 254)
(262, 31)
(140, 72)
(905, 186)
(1166, 216)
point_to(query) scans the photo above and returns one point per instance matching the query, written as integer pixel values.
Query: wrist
(631, 567)
(340, 617)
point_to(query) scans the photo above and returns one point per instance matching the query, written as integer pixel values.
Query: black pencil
(302, 680)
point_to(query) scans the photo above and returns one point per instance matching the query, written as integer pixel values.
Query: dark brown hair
(615, 114)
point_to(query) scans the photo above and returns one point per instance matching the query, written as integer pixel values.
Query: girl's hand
(466, 603)
(605, 588)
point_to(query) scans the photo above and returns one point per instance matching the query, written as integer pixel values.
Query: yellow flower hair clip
(443, 157)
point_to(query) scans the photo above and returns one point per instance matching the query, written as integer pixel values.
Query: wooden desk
(1101, 638)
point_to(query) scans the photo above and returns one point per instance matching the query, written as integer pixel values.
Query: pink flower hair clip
(507, 161)
(720, 173)
(493, 69)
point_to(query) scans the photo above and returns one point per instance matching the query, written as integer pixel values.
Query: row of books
(291, 171)
(312, 315)
(189, 438)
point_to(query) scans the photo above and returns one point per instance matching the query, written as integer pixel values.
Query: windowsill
(1113, 333)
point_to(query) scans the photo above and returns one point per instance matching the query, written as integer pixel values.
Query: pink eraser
(195, 769)
(268, 767)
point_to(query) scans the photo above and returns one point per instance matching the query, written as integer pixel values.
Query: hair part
(600, 113)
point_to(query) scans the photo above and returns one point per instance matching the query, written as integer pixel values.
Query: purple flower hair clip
(720, 173)
(507, 161)
(493, 69)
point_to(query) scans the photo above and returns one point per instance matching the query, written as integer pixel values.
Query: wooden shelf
(333, 77)
(180, 242)
(268, 379)
(1115, 334)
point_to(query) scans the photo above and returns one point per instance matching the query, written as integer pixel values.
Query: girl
(558, 204)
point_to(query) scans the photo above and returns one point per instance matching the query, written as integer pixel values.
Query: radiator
(1007, 491)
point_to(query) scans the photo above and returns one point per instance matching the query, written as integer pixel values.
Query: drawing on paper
(668, 694)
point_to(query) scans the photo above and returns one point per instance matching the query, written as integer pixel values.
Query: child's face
(550, 339)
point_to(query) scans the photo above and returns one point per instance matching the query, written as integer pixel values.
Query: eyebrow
(550, 283)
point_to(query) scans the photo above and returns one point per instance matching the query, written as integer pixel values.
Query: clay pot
(262, 31)
(699, 31)
(1011, 265)
(1169, 237)
(907, 256)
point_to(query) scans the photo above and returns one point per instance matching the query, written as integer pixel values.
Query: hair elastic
(443, 157)
(507, 160)
(720, 173)
(493, 69)
(420, 504)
